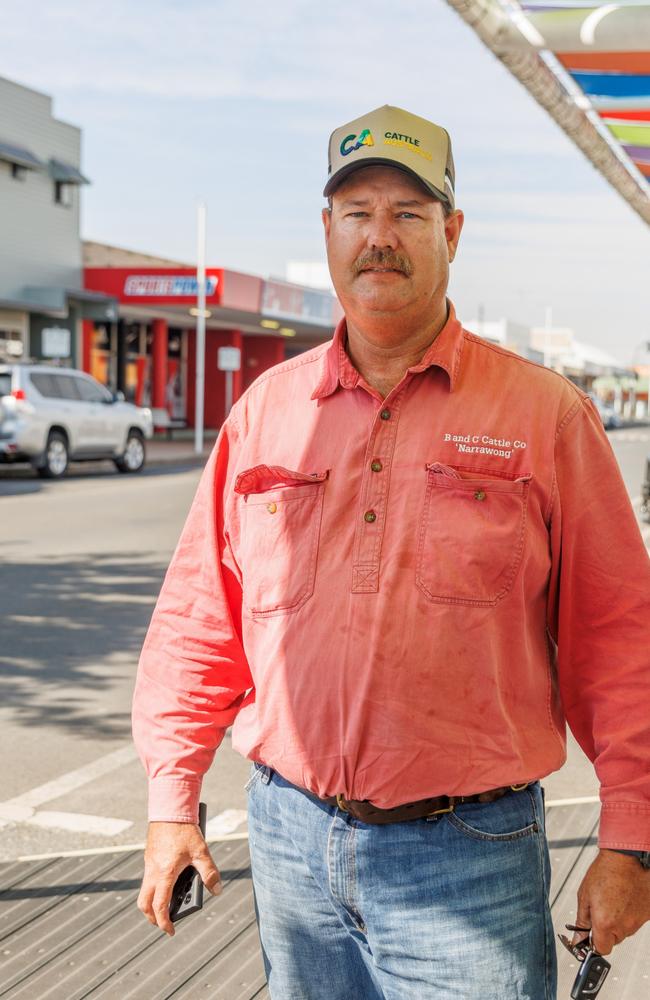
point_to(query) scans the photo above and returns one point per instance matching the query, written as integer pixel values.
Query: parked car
(51, 416)
(645, 492)
(608, 414)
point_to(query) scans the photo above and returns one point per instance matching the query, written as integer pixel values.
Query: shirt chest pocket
(280, 519)
(472, 536)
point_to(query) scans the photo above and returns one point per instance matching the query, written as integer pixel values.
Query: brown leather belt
(365, 811)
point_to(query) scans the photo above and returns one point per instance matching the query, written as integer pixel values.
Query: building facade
(149, 350)
(42, 298)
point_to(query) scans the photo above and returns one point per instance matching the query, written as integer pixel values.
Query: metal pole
(200, 327)
(548, 323)
(228, 392)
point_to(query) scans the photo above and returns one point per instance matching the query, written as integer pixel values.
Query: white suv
(50, 416)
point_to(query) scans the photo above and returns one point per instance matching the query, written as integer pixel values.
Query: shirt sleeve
(599, 620)
(193, 674)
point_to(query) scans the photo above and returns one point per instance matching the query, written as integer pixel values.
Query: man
(410, 557)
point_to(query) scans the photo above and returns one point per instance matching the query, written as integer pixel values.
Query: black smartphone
(187, 894)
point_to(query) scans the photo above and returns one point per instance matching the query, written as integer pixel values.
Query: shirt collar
(337, 368)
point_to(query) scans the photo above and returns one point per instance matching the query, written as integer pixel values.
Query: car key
(591, 976)
(187, 894)
(593, 968)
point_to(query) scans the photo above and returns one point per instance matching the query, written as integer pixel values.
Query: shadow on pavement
(12, 485)
(91, 888)
(69, 627)
(15, 480)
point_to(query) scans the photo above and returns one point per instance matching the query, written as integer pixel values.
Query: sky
(233, 103)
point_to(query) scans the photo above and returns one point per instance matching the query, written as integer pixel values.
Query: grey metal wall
(39, 240)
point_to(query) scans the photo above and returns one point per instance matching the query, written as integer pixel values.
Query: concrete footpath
(179, 449)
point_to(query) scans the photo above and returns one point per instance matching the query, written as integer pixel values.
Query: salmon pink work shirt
(406, 597)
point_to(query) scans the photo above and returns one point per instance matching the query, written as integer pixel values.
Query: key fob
(591, 976)
(187, 894)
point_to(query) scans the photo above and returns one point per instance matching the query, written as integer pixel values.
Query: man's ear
(326, 216)
(453, 229)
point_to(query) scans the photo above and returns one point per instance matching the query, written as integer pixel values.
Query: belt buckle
(447, 809)
(520, 788)
(340, 803)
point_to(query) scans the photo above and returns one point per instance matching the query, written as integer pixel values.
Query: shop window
(11, 344)
(131, 332)
(174, 344)
(18, 172)
(102, 337)
(63, 193)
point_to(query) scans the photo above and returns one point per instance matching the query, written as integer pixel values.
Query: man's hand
(171, 847)
(613, 899)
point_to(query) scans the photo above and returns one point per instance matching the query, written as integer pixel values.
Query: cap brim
(381, 161)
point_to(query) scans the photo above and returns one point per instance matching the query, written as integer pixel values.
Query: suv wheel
(56, 458)
(134, 454)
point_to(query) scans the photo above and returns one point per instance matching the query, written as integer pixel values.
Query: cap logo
(363, 139)
(406, 142)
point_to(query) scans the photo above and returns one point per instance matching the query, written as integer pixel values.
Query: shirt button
(271, 507)
(370, 516)
(376, 466)
(479, 495)
(385, 414)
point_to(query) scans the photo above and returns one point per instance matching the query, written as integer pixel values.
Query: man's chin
(379, 300)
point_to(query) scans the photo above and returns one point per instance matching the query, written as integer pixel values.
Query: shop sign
(55, 342)
(280, 299)
(229, 359)
(158, 285)
(317, 306)
(173, 286)
(288, 301)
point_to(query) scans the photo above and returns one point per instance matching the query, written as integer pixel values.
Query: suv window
(91, 392)
(5, 383)
(66, 386)
(44, 382)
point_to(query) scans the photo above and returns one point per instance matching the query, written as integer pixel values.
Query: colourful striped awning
(587, 63)
(605, 47)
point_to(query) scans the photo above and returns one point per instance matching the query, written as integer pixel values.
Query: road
(82, 562)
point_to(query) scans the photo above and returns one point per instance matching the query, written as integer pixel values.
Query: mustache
(384, 258)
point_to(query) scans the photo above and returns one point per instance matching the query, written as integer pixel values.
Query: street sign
(229, 359)
(56, 342)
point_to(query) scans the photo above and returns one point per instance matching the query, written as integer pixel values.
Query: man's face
(388, 243)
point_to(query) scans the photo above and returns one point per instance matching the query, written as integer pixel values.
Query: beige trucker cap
(393, 137)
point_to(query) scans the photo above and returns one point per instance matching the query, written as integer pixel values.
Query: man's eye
(408, 215)
(357, 215)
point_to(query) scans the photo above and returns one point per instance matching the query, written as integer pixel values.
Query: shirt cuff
(174, 800)
(625, 826)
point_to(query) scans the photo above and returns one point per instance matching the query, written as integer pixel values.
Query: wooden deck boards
(69, 928)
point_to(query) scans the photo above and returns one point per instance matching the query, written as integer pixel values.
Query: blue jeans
(451, 908)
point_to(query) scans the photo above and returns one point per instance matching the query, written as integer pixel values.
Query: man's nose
(381, 234)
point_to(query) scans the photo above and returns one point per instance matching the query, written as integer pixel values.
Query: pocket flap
(269, 477)
(447, 475)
